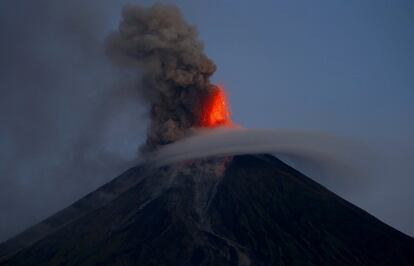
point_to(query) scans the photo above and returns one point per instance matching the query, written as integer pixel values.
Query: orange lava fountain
(216, 111)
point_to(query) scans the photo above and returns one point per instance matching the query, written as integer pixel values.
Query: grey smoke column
(158, 42)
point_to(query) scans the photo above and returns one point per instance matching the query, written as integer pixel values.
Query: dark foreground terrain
(260, 212)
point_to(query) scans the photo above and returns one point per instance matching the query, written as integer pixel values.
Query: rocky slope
(259, 211)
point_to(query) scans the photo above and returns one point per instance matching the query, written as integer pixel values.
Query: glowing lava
(216, 111)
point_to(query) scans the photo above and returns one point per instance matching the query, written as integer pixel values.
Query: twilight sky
(345, 67)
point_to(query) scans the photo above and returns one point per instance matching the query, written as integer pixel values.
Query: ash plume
(166, 51)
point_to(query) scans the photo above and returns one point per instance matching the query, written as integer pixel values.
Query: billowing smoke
(158, 42)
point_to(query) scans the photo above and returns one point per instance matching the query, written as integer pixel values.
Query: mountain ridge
(260, 211)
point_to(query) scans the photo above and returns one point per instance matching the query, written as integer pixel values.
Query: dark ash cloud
(67, 123)
(158, 41)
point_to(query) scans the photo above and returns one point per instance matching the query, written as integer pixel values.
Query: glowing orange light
(216, 109)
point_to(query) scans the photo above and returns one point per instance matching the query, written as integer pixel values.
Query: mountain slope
(260, 212)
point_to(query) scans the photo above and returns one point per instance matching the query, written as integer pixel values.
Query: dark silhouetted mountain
(259, 212)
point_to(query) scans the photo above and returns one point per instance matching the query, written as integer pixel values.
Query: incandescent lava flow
(216, 109)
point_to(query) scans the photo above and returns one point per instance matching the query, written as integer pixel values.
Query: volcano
(258, 211)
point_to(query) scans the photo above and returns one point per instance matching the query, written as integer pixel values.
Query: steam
(324, 155)
(158, 42)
